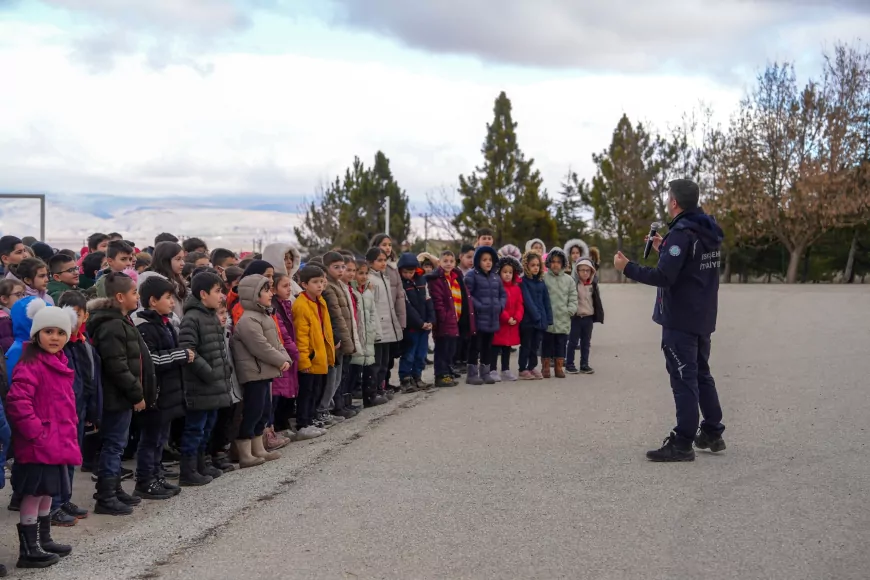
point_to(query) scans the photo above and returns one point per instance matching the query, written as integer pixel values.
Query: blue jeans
(687, 359)
(153, 434)
(115, 432)
(581, 332)
(413, 359)
(198, 426)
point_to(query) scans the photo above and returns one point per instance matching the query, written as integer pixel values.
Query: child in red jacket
(508, 334)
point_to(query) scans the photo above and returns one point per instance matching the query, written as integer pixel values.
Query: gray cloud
(620, 35)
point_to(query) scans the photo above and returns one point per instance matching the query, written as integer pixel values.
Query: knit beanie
(257, 267)
(45, 316)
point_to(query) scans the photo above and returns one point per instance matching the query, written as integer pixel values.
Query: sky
(273, 97)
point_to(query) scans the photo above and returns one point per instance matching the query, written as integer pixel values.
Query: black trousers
(687, 359)
(530, 344)
(505, 353)
(382, 363)
(311, 388)
(257, 409)
(445, 351)
(554, 345)
(581, 333)
(481, 347)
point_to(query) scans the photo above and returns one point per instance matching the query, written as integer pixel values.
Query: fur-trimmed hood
(584, 248)
(556, 253)
(510, 250)
(274, 254)
(532, 242)
(478, 254)
(513, 263)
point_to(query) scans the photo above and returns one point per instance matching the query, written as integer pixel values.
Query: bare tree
(443, 206)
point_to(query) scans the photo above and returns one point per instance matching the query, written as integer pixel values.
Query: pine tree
(569, 216)
(351, 210)
(505, 192)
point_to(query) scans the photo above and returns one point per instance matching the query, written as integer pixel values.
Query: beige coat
(257, 349)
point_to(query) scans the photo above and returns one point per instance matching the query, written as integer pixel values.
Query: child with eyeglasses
(64, 275)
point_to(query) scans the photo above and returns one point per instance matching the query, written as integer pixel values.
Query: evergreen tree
(505, 193)
(351, 210)
(569, 216)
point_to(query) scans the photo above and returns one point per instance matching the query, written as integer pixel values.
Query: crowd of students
(117, 351)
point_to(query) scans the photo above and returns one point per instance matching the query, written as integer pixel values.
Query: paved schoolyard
(547, 479)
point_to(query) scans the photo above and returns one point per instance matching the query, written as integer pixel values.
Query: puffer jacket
(418, 304)
(287, 385)
(340, 315)
(395, 278)
(563, 295)
(7, 337)
(508, 335)
(391, 327)
(446, 323)
(21, 325)
(486, 291)
(257, 350)
(537, 312)
(127, 370)
(313, 335)
(369, 326)
(208, 379)
(169, 360)
(274, 254)
(41, 408)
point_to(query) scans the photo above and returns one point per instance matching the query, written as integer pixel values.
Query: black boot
(714, 443)
(674, 448)
(14, 503)
(107, 502)
(189, 475)
(170, 488)
(222, 461)
(125, 497)
(151, 489)
(45, 540)
(205, 467)
(30, 553)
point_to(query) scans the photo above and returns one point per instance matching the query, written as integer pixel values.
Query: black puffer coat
(168, 359)
(127, 370)
(208, 379)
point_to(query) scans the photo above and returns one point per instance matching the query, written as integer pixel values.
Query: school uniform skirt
(37, 479)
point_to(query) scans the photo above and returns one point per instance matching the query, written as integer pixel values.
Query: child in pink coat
(286, 387)
(41, 409)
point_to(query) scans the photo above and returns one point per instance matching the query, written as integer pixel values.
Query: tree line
(787, 177)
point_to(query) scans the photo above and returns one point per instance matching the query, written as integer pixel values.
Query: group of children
(231, 360)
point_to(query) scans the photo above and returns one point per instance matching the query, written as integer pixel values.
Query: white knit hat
(45, 316)
(585, 262)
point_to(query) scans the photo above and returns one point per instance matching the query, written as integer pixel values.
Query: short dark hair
(308, 273)
(118, 283)
(446, 253)
(245, 263)
(362, 264)
(330, 258)
(58, 260)
(233, 273)
(220, 255)
(154, 287)
(349, 257)
(115, 236)
(28, 268)
(117, 247)
(7, 244)
(193, 257)
(143, 260)
(92, 263)
(165, 237)
(201, 269)
(685, 192)
(74, 299)
(95, 240)
(484, 232)
(465, 248)
(374, 253)
(205, 282)
(67, 252)
(192, 244)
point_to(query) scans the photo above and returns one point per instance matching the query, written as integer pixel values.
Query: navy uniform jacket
(687, 274)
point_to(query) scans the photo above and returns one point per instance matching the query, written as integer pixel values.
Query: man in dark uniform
(687, 278)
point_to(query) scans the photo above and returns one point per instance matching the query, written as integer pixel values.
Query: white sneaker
(336, 419)
(310, 432)
(495, 376)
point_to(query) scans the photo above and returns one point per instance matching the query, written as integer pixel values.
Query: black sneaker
(74, 510)
(14, 503)
(126, 474)
(62, 519)
(375, 401)
(714, 443)
(456, 374)
(173, 489)
(151, 490)
(572, 370)
(446, 381)
(587, 370)
(674, 448)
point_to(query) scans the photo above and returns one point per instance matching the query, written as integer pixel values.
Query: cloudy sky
(270, 97)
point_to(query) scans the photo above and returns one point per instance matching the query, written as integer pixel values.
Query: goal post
(41, 198)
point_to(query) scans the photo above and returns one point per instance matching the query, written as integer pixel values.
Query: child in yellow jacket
(316, 347)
